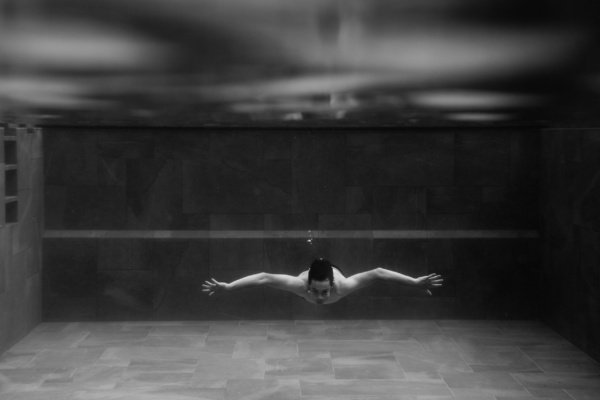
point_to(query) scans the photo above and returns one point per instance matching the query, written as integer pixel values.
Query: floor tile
(300, 367)
(298, 332)
(50, 340)
(16, 359)
(45, 395)
(84, 378)
(266, 349)
(420, 365)
(507, 361)
(583, 394)
(237, 332)
(298, 360)
(65, 358)
(218, 367)
(558, 381)
(357, 346)
(480, 380)
(383, 366)
(371, 387)
(23, 380)
(180, 341)
(271, 389)
(456, 343)
(107, 339)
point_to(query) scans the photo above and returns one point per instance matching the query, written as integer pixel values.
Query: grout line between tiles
(530, 359)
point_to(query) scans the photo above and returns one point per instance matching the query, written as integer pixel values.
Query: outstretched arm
(279, 281)
(424, 282)
(363, 279)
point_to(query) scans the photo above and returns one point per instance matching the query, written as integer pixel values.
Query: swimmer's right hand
(213, 287)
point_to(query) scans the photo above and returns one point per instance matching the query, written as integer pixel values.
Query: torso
(335, 292)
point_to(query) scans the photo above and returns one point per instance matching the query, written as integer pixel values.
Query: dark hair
(320, 270)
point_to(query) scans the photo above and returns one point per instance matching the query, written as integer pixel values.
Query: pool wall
(137, 219)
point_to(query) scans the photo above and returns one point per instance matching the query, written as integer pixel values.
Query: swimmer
(323, 283)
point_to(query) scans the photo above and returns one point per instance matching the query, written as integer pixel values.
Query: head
(320, 279)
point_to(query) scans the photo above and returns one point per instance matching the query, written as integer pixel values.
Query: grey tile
(70, 157)
(558, 380)
(311, 359)
(23, 380)
(65, 358)
(113, 339)
(93, 207)
(124, 254)
(84, 378)
(125, 143)
(125, 295)
(297, 332)
(231, 254)
(299, 368)
(399, 208)
(371, 387)
(196, 186)
(14, 359)
(453, 199)
(582, 394)
(480, 380)
(318, 173)
(358, 346)
(210, 367)
(154, 194)
(524, 156)
(272, 348)
(284, 389)
(288, 256)
(237, 332)
(427, 365)
(182, 145)
(50, 340)
(562, 366)
(482, 158)
(178, 341)
(399, 160)
(384, 366)
(112, 171)
(359, 199)
(70, 267)
(509, 361)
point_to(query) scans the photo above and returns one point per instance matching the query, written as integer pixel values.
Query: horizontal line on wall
(291, 234)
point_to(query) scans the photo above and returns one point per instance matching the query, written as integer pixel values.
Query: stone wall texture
(21, 227)
(570, 207)
(141, 218)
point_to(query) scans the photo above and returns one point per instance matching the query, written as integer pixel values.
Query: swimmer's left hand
(430, 281)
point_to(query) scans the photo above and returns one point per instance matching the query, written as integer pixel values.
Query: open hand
(213, 287)
(429, 281)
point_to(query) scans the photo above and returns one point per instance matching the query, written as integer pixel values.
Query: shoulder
(286, 282)
(357, 281)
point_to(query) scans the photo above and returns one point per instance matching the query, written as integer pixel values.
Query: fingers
(433, 281)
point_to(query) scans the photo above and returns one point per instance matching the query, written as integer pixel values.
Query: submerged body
(323, 283)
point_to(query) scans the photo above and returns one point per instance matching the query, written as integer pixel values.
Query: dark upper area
(314, 63)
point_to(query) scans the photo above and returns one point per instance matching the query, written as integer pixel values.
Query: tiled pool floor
(308, 360)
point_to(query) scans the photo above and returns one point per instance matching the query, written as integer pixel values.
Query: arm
(424, 282)
(363, 279)
(279, 281)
